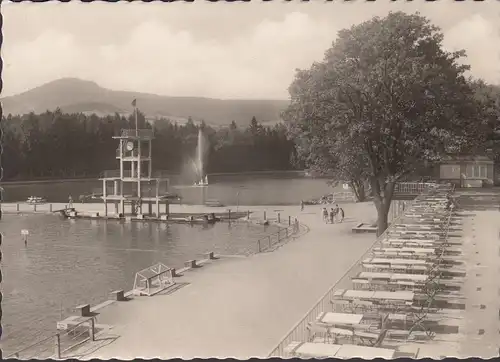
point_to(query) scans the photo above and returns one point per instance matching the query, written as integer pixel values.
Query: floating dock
(174, 218)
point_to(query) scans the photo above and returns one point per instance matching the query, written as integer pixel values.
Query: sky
(217, 50)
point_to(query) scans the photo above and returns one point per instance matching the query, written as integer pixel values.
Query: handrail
(18, 352)
(411, 187)
(288, 232)
(145, 133)
(300, 328)
(58, 343)
(128, 174)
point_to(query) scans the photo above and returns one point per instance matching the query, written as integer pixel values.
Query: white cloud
(170, 57)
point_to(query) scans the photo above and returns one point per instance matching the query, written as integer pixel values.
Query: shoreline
(46, 181)
(212, 285)
(298, 173)
(254, 219)
(255, 286)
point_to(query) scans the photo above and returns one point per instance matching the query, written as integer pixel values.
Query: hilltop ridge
(75, 95)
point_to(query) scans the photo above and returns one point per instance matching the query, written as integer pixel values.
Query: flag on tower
(134, 102)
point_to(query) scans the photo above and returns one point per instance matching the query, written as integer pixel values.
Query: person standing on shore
(325, 215)
(332, 216)
(341, 214)
(301, 205)
(70, 202)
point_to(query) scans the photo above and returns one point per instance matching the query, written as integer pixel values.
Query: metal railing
(58, 345)
(344, 196)
(412, 188)
(128, 174)
(140, 133)
(396, 209)
(300, 331)
(266, 243)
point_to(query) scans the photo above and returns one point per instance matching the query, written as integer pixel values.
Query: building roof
(471, 158)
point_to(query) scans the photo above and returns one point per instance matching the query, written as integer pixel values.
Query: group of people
(336, 213)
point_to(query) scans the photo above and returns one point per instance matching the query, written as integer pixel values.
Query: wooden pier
(173, 218)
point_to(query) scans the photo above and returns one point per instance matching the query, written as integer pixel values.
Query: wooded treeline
(59, 145)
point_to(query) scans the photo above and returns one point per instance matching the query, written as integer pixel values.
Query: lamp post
(241, 187)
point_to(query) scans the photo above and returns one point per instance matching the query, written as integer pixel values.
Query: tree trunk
(382, 200)
(382, 220)
(361, 192)
(358, 188)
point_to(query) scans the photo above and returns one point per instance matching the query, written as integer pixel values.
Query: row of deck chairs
(402, 292)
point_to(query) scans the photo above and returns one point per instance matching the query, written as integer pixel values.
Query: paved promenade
(237, 307)
(480, 333)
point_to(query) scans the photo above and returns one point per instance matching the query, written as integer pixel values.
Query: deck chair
(314, 330)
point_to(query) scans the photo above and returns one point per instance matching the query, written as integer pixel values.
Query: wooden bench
(71, 322)
(118, 295)
(210, 255)
(84, 310)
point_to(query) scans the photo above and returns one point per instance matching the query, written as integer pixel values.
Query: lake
(245, 189)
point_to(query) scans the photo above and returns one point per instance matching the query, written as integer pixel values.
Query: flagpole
(136, 126)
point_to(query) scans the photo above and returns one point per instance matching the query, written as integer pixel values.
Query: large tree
(388, 96)
(489, 97)
(339, 160)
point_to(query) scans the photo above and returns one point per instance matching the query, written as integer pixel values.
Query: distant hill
(76, 95)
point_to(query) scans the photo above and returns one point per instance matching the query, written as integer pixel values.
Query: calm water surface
(67, 263)
(282, 189)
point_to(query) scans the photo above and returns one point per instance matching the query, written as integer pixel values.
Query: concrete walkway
(480, 333)
(237, 307)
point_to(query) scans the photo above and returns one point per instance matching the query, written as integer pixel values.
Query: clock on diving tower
(134, 184)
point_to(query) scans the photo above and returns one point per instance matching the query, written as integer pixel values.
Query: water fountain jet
(201, 151)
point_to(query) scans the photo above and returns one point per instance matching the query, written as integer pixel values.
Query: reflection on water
(68, 262)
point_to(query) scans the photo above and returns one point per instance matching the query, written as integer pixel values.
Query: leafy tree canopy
(385, 98)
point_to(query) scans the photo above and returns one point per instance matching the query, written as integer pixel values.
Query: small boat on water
(194, 221)
(213, 203)
(35, 200)
(202, 182)
(205, 219)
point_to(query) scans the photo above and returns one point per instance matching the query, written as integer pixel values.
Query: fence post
(229, 214)
(248, 214)
(286, 233)
(289, 220)
(17, 207)
(50, 207)
(58, 346)
(34, 207)
(269, 241)
(265, 218)
(258, 243)
(279, 219)
(92, 329)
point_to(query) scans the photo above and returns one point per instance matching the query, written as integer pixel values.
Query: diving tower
(134, 183)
